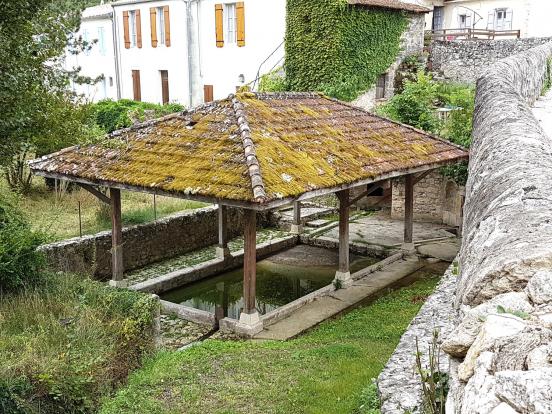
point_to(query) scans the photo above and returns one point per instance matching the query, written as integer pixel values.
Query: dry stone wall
(143, 244)
(466, 60)
(503, 341)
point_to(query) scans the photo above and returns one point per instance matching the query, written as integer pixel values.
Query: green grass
(68, 342)
(57, 214)
(328, 370)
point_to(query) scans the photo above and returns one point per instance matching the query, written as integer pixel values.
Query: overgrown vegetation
(325, 371)
(112, 115)
(417, 106)
(339, 49)
(67, 343)
(19, 260)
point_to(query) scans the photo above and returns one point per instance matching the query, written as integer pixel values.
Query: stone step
(317, 223)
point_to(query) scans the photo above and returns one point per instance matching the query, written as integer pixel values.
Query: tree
(38, 113)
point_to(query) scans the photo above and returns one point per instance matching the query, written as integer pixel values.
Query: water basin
(281, 279)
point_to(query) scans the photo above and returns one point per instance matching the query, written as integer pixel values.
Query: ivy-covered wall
(337, 48)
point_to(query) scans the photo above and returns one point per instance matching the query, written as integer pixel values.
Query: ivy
(337, 48)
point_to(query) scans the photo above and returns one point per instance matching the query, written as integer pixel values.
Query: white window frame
(231, 23)
(467, 21)
(502, 23)
(133, 33)
(86, 39)
(161, 26)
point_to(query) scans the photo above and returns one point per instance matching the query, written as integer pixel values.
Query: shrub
(19, 260)
(274, 81)
(112, 115)
(69, 343)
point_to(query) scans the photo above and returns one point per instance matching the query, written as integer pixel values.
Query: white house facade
(530, 17)
(98, 61)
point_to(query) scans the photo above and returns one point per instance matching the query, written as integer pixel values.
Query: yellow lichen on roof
(294, 142)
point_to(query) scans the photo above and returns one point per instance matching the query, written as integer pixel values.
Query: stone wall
(466, 60)
(503, 341)
(143, 244)
(436, 198)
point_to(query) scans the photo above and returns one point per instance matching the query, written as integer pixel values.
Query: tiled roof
(392, 4)
(102, 10)
(254, 148)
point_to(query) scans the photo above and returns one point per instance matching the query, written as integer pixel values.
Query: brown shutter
(165, 86)
(138, 29)
(153, 24)
(167, 26)
(126, 30)
(240, 19)
(137, 88)
(207, 93)
(219, 25)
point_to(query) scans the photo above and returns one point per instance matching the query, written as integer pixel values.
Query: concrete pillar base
(222, 252)
(408, 247)
(118, 283)
(344, 278)
(296, 229)
(249, 324)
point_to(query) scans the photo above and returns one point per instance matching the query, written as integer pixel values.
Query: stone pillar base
(222, 252)
(118, 283)
(249, 325)
(408, 247)
(296, 229)
(344, 278)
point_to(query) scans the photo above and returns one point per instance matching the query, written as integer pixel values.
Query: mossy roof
(253, 149)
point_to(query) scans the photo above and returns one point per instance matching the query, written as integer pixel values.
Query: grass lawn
(57, 215)
(68, 343)
(328, 370)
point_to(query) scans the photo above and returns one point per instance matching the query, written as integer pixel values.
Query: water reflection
(280, 279)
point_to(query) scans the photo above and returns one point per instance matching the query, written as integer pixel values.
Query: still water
(281, 279)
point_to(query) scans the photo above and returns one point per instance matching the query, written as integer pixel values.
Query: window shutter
(138, 29)
(490, 20)
(153, 24)
(509, 19)
(126, 30)
(219, 25)
(167, 26)
(240, 23)
(137, 88)
(207, 93)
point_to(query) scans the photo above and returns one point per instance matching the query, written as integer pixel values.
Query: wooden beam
(117, 265)
(93, 190)
(249, 261)
(343, 197)
(421, 176)
(408, 208)
(370, 189)
(222, 226)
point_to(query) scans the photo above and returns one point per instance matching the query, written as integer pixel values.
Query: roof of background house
(102, 10)
(254, 149)
(391, 4)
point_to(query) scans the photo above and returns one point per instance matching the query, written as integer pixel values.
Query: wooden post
(296, 225)
(117, 264)
(408, 211)
(343, 275)
(223, 251)
(249, 262)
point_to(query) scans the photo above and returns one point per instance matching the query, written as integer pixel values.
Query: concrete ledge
(189, 314)
(358, 248)
(191, 274)
(378, 266)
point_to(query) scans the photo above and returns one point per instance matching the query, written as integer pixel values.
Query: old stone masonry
(502, 347)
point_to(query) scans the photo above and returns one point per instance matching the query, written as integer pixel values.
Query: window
(164, 86)
(161, 25)
(111, 81)
(380, 86)
(503, 19)
(101, 41)
(132, 28)
(438, 17)
(464, 21)
(230, 13)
